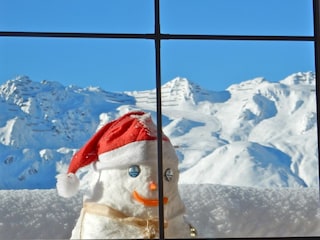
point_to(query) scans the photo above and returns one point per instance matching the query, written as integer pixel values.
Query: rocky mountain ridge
(255, 133)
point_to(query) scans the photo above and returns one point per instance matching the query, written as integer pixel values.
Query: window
(161, 49)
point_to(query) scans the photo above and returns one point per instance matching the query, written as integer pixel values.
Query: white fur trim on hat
(138, 152)
(67, 184)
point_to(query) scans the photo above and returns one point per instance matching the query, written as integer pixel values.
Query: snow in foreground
(215, 210)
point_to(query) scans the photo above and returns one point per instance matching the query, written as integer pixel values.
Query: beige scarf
(149, 227)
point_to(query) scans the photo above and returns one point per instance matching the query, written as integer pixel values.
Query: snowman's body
(111, 211)
(93, 226)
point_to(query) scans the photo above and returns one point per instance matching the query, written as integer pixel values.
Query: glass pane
(70, 89)
(242, 116)
(114, 65)
(55, 93)
(215, 65)
(242, 17)
(77, 16)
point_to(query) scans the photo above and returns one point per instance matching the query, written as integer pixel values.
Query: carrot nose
(153, 186)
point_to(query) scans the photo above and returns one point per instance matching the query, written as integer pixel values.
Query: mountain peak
(22, 79)
(303, 78)
(12, 84)
(180, 83)
(182, 89)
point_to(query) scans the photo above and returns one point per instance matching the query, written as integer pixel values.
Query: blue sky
(120, 65)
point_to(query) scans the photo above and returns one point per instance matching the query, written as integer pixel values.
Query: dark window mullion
(77, 35)
(157, 41)
(316, 27)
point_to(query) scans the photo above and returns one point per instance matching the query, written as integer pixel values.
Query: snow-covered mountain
(255, 133)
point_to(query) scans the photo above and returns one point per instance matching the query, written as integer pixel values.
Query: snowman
(122, 201)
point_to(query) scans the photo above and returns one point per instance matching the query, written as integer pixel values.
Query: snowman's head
(133, 188)
(124, 157)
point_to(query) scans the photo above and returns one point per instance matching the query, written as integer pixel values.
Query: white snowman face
(134, 188)
(143, 183)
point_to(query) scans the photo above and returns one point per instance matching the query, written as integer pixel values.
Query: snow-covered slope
(217, 211)
(255, 133)
(42, 124)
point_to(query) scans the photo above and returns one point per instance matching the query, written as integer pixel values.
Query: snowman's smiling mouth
(147, 201)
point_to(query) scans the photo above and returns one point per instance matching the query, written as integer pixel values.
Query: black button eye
(168, 174)
(134, 171)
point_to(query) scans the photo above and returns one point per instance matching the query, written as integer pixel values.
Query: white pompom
(67, 184)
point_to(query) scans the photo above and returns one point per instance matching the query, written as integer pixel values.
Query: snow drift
(216, 211)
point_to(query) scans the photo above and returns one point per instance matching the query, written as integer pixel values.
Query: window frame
(158, 37)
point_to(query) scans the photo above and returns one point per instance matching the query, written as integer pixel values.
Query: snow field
(215, 210)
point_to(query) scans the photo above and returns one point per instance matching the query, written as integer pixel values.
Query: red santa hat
(130, 139)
